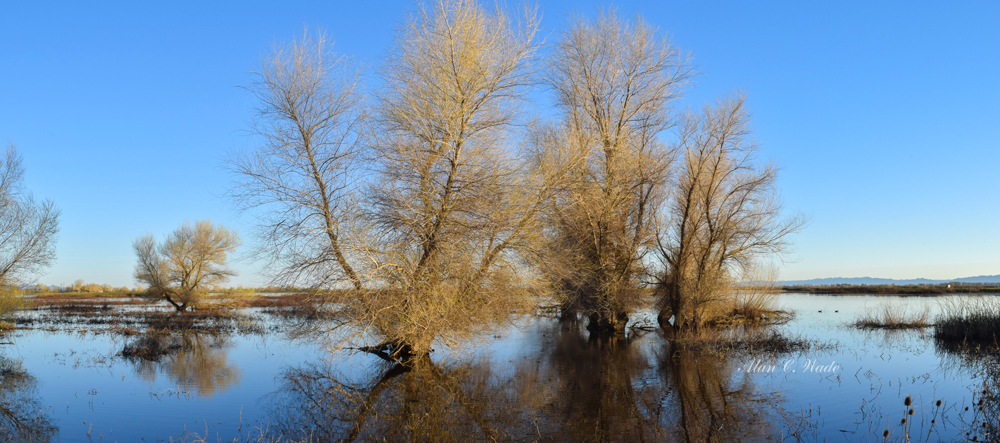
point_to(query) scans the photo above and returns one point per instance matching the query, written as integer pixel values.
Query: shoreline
(894, 290)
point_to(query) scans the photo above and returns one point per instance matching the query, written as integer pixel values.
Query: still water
(537, 380)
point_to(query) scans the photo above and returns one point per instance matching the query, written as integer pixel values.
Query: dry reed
(975, 319)
(893, 316)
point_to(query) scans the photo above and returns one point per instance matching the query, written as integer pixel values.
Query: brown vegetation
(893, 316)
(614, 83)
(305, 171)
(452, 204)
(724, 216)
(10, 301)
(433, 246)
(443, 214)
(190, 260)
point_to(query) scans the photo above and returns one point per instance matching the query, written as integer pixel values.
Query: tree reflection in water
(708, 405)
(573, 389)
(22, 417)
(191, 359)
(605, 388)
(420, 400)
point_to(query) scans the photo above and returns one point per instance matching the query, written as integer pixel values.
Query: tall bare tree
(614, 82)
(725, 216)
(305, 171)
(190, 260)
(453, 202)
(27, 228)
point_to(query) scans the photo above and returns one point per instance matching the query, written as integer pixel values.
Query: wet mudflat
(96, 377)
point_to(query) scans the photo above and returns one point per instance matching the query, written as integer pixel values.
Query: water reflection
(605, 387)
(981, 419)
(710, 404)
(190, 359)
(22, 416)
(570, 388)
(422, 400)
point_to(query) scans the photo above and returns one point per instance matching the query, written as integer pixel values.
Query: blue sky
(884, 116)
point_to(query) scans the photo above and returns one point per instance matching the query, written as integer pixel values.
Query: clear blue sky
(885, 116)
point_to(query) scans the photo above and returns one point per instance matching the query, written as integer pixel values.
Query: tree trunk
(567, 312)
(179, 307)
(663, 317)
(605, 324)
(400, 351)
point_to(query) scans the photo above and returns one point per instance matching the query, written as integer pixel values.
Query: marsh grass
(10, 367)
(108, 294)
(747, 340)
(975, 320)
(894, 316)
(747, 306)
(231, 299)
(10, 301)
(153, 346)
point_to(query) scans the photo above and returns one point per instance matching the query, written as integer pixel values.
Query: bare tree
(27, 229)
(190, 260)
(725, 217)
(614, 82)
(453, 202)
(304, 174)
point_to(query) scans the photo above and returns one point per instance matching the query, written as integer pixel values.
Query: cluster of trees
(444, 203)
(80, 285)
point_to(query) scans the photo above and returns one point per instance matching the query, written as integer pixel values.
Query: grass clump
(231, 298)
(893, 316)
(969, 320)
(751, 305)
(10, 301)
(746, 340)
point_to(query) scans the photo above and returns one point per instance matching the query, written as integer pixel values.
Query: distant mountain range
(886, 281)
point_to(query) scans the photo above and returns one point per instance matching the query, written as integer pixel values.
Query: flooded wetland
(460, 220)
(106, 371)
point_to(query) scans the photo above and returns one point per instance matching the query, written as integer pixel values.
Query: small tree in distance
(189, 260)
